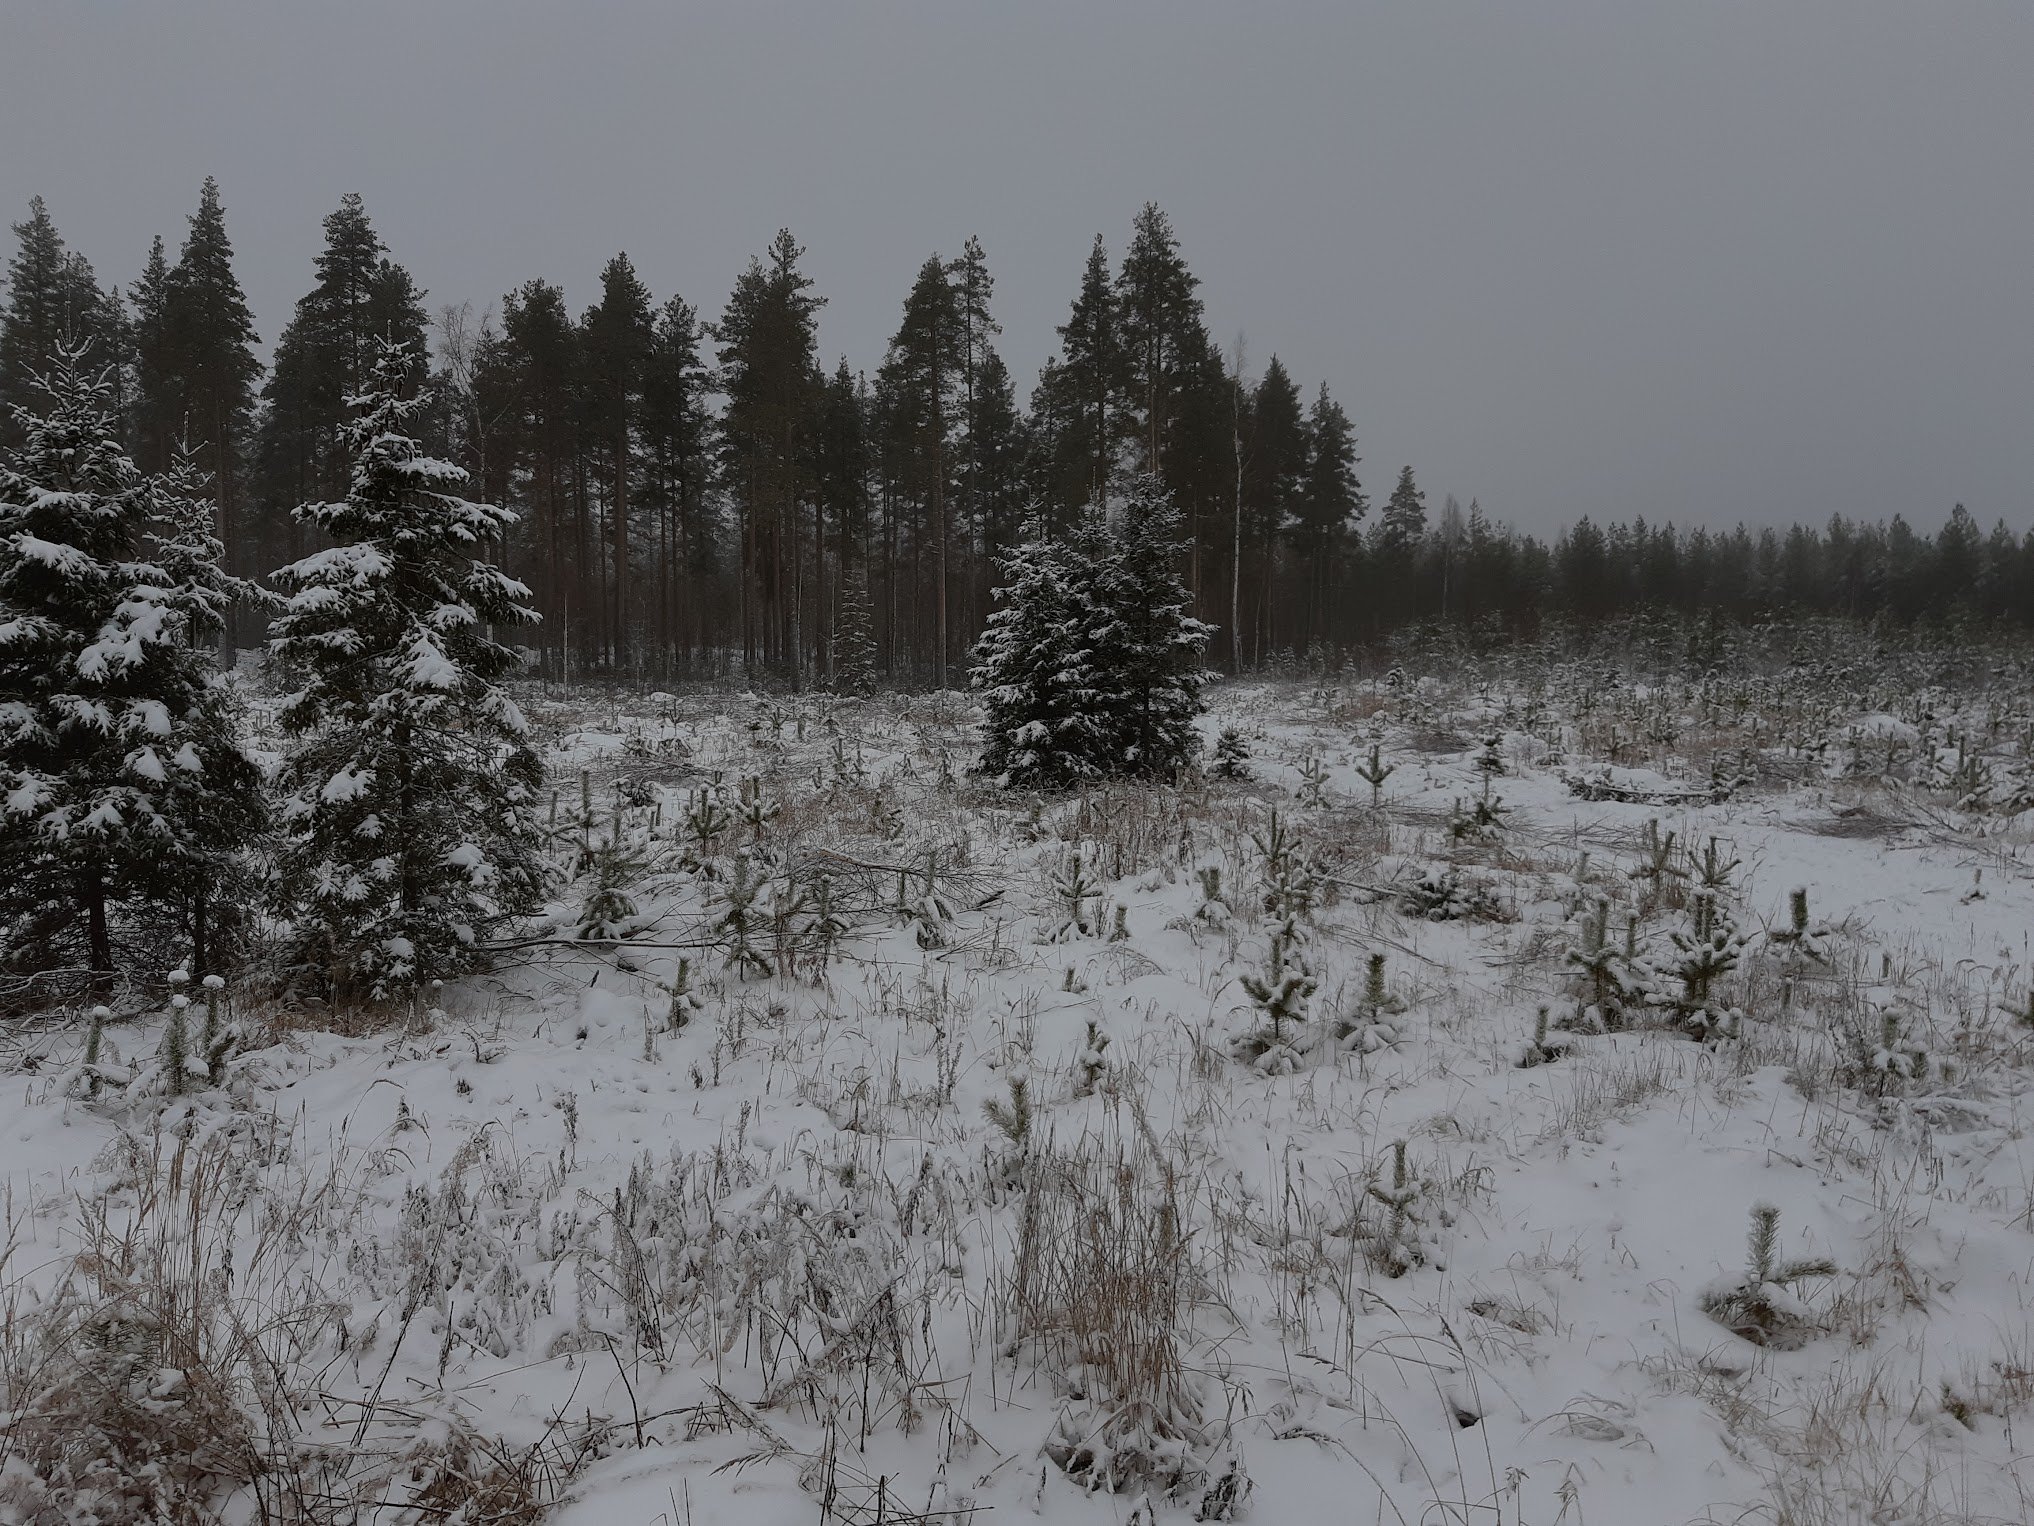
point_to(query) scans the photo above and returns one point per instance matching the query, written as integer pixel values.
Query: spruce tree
(1146, 649)
(1159, 323)
(1274, 469)
(53, 301)
(210, 339)
(1075, 399)
(325, 356)
(1331, 501)
(1042, 724)
(158, 404)
(1405, 517)
(854, 638)
(203, 878)
(123, 779)
(410, 792)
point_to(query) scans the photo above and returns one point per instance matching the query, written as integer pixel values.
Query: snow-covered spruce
(1042, 723)
(1090, 667)
(854, 639)
(124, 789)
(1146, 649)
(409, 796)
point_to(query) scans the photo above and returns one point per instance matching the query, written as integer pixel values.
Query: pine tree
(123, 780)
(769, 373)
(618, 337)
(676, 435)
(410, 791)
(536, 368)
(987, 411)
(922, 401)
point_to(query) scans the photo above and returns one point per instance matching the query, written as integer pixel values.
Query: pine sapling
(219, 1036)
(1707, 950)
(752, 810)
(1898, 1057)
(1802, 943)
(1542, 1048)
(95, 1042)
(707, 819)
(1393, 1245)
(1074, 887)
(743, 919)
(1092, 1065)
(1369, 1026)
(609, 913)
(1213, 908)
(925, 908)
(1373, 771)
(685, 1002)
(1313, 783)
(1713, 871)
(1659, 867)
(1291, 882)
(1013, 1117)
(176, 1051)
(825, 928)
(1282, 994)
(1609, 976)
(1762, 1306)
(848, 769)
(1479, 820)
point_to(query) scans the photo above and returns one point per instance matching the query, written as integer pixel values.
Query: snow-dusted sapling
(1371, 1024)
(410, 788)
(1762, 1306)
(1373, 771)
(1282, 994)
(1610, 978)
(1232, 755)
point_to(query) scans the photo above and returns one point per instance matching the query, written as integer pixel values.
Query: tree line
(701, 495)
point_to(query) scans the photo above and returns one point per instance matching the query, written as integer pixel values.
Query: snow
(349, 783)
(724, 1232)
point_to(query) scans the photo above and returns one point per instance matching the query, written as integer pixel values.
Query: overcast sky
(1698, 262)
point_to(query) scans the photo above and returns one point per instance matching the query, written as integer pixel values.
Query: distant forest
(702, 496)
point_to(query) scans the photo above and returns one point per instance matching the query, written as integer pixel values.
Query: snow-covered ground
(957, 1202)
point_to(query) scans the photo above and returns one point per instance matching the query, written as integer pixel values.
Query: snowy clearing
(854, 1141)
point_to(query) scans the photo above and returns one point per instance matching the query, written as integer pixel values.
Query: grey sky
(1700, 261)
